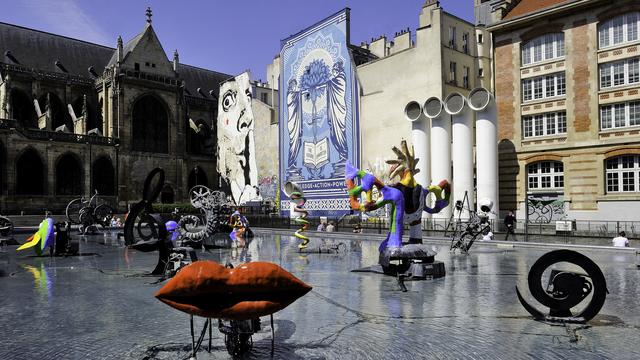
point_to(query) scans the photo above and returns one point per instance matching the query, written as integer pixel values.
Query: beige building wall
(584, 148)
(266, 147)
(408, 72)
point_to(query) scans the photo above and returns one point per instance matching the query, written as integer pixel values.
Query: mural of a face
(236, 155)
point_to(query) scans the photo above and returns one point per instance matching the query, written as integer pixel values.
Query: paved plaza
(101, 306)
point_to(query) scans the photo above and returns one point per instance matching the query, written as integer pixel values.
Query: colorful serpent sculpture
(297, 211)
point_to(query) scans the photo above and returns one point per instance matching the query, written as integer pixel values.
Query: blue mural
(319, 114)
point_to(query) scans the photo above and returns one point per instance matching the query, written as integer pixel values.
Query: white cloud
(66, 17)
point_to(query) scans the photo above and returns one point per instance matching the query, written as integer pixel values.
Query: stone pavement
(101, 306)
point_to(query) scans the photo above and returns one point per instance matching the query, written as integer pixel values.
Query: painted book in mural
(316, 155)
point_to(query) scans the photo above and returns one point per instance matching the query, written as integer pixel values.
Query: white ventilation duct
(440, 146)
(462, 150)
(420, 139)
(482, 102)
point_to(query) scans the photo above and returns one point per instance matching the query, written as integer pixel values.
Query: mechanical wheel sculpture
(6, 227)
(210, 203)
(88, 214)
(565, 289)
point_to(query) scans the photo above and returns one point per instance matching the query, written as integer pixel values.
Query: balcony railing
(44, 135)
(8, 123)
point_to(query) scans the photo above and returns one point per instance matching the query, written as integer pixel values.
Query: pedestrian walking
(621, 240)
(510, 223)
(331, 227)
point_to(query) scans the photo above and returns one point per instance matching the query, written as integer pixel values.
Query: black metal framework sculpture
(565, 289)
(466, 232)
(6, 227)
(88, 214)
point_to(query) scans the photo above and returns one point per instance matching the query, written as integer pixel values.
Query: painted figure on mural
(337, 114)
(294, 125)
(236, 144)
(319, 131)
(317, 119)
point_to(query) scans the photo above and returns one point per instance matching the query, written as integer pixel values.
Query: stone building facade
(77, 117)
(567, 88)
(445, 57)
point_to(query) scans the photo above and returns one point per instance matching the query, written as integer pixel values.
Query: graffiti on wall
(267, 186)
(545, 208)
(319, 131)
(236, 143)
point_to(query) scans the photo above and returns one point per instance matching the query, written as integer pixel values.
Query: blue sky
(226, 36)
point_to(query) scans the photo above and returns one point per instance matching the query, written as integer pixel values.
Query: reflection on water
(471, 313)
(41, 280)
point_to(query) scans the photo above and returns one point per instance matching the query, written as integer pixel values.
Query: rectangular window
(550, 86)
(603, 36)
(548, 46)
(480, 72)
(559, 181)
(605, 116)
(452, 72)
(542, 87)
(618, 74)
(479, 38)
(533, 182)
(612, 182)
(465, 43)
(618, 30)
(634, 71)
(605, 76)
(628, 181)
(545, 124)
(452, 37)
(550, 119)
(537, 88)
(538, 124)
(526, 55)
(632, 27)
(618, 115)
(537, 50)
(634, 113)
(465, 77)
(545, 181)
(560, 45)
(526, 90)
(562, 122)
(561, 85)
(528, 126)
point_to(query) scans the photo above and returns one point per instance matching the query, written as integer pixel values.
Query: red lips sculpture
(251, 290)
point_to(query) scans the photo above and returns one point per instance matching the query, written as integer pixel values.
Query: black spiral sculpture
(565, 289)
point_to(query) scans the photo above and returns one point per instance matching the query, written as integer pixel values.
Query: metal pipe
(440, 146)
(462, 148)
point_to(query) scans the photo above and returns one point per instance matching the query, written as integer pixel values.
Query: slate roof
(525, 7)
(40, 50)
(195, 77)
(127, 48)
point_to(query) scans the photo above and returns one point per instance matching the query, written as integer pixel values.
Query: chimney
(176, 60)
(119, 50)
